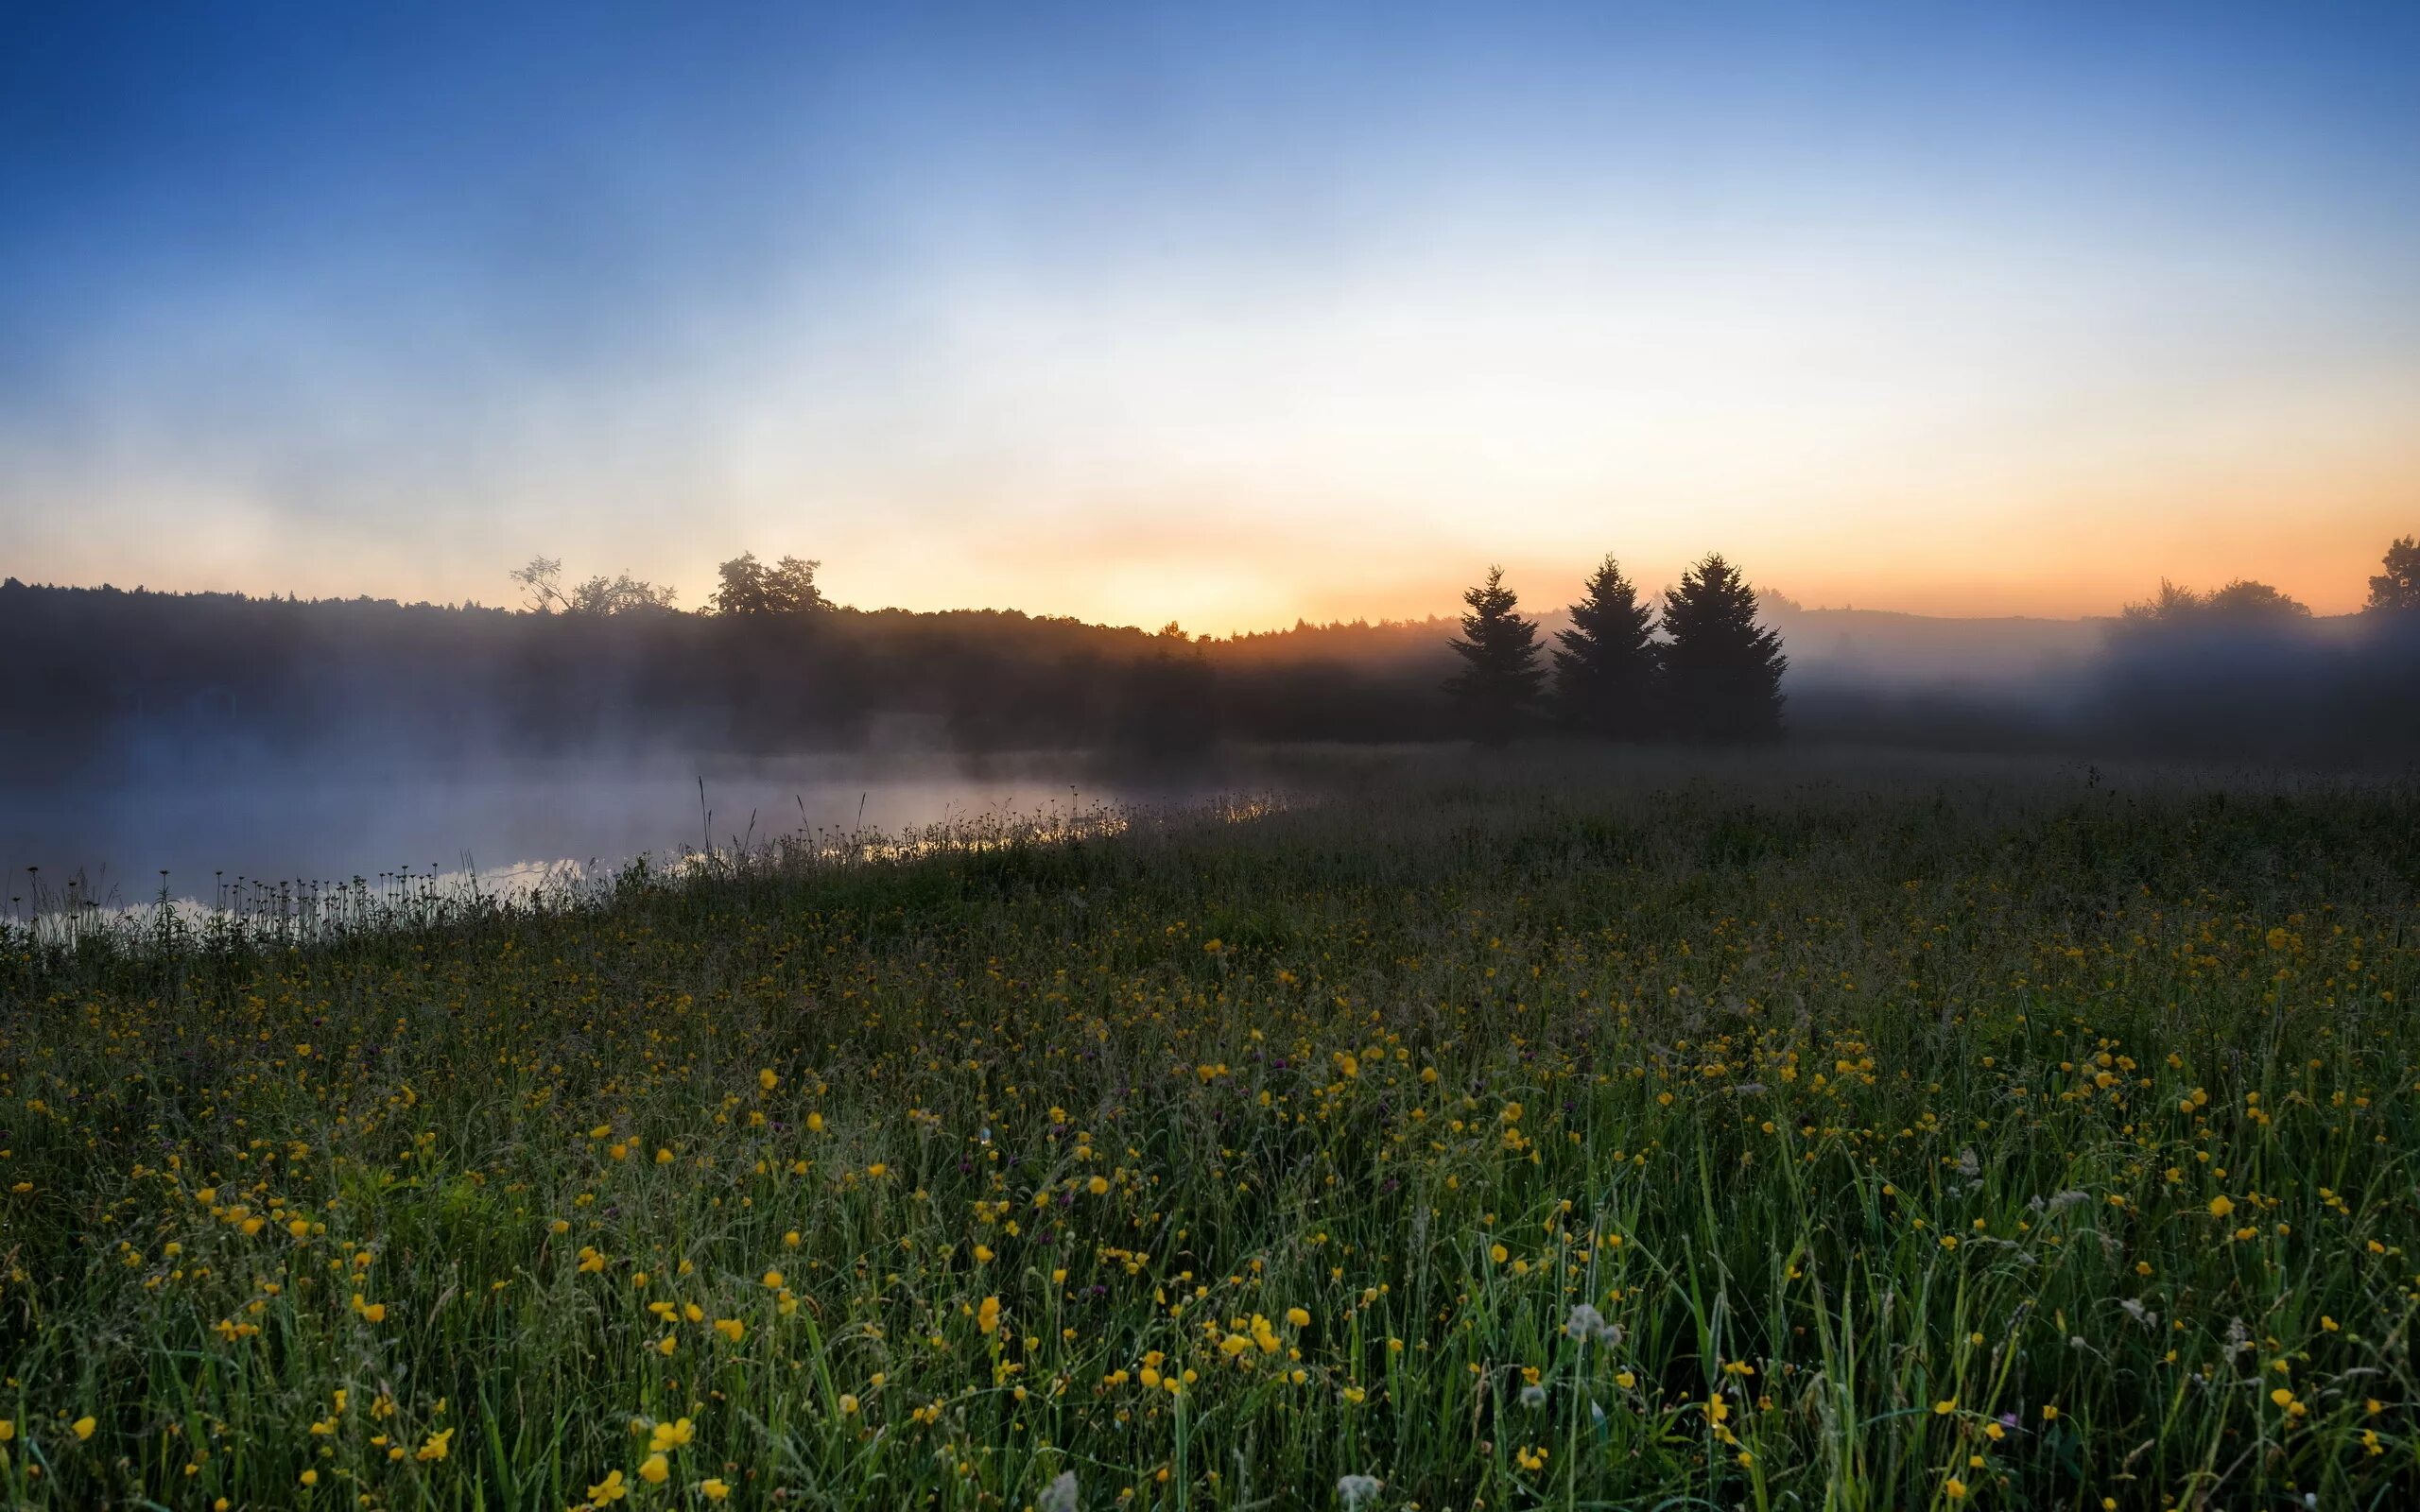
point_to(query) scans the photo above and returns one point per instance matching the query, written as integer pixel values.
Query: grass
(1766, 1135)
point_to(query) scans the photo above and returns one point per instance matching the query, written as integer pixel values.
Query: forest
(104, 681)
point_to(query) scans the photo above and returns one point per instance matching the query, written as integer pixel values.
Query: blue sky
(1224, 315)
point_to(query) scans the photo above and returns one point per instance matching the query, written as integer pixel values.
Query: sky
(1226, 314)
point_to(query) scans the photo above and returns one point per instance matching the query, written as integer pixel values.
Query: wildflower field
(1759, 1136)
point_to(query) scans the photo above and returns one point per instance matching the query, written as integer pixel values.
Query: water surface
(499, 820)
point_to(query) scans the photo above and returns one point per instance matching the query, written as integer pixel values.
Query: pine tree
(1605, 669)
(1499, 677)
(1722, 671)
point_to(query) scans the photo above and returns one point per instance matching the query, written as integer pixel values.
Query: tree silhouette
(1722, 671)
(2171, 605)
(749, 587)
(1166, 701)
(2398, 589)
(1499, 675)
(623, 594)
(1605, 667)
(2242, 602)
(2245, 601)
(542, 580)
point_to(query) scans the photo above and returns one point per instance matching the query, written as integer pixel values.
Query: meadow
(1534, 1133)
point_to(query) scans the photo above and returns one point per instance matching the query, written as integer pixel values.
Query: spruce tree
(1499, 675)
(1605, 670)
(1722, 671)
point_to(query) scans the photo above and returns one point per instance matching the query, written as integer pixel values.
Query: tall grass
(1764, 1136)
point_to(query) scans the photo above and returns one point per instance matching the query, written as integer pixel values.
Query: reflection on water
(504, 825)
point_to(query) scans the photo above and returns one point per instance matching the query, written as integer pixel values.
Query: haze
(1225, 315)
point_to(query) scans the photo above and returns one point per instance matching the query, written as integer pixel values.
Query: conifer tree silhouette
(1605, 667)
(1499, 675)
(1722, 671)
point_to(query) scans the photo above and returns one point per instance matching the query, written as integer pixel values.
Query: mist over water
(217, 739)
(504, 820)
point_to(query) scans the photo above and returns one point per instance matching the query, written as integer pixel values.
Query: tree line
(102, 680)
(1713, 674)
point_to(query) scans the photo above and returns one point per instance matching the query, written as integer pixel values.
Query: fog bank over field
(209, 735)
(1886, 648)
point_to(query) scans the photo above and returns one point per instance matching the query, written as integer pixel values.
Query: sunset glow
(1219, 321)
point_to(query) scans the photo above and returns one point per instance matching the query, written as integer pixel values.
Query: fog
(214, 737)
(503, 823)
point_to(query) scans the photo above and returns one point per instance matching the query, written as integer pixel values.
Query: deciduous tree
(2398, 589)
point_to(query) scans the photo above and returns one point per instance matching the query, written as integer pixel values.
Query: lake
(502, 820)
